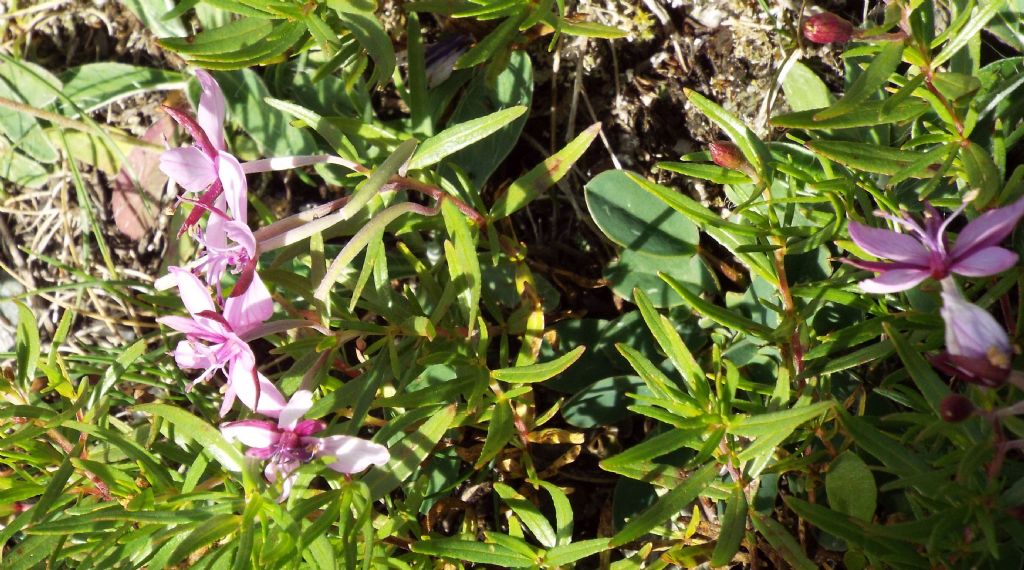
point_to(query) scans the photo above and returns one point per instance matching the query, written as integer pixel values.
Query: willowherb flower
(202, 167)
(215, 341)
(977, 346)
(923, 252)
(827, 28)
(228, 242)
(289, 442)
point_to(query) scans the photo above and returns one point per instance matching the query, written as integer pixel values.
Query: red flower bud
(955, 408)
(827, 28)
(726, 155)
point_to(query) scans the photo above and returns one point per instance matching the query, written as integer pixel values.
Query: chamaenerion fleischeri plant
(384, 345)
(798, 395)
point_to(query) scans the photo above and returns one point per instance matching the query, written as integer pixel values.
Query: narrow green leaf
(214, 529)
(31, 553)
(371, 35)
(495, 41)
(668, 505)
(408, 453)
(710, 172)
(203, 433)
(528, 513)
(455, 138)
(529, 186)
(563, 510)
(53, 490)
(690, 208)
(538, 372)
(850, 486)
(227, 38)
(782, 541)
(117, 369)
(590, 30)
(804, 89)
(499, 431)
(752, 148)
(981, 172)
(718, 314)
(887, 449)
(570, 553)
(867, 83)
(865, 156)
(672, 344)
(94, 85)
(464, 264)
(734, 524)
(459, 549)
(762, 425)
(922, 373)
(867, 114)
(969, 31)
(26, 344)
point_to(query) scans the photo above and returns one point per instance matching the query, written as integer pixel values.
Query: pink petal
(185, 325)
(888, 244)
(985, 262)
(271, 400)
(235, 188)
(306, 428)
(191, 355)
(242, 235)
(189, 168)
(970, 330)
(288, 162)
(216, 236)
(352, 454)
(211, 109)
(300, 403)
(252, 433)
(988, 229)
(244, 378)
(249, 309)
(284, 469)
(894, 280)
(193, 293)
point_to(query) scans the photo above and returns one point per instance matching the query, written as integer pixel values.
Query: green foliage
(755, 391)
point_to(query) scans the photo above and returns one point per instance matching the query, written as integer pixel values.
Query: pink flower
(924, 253)
(197, 168)
(205, 165)
(213, 341)
(977, 346)
(289, 443)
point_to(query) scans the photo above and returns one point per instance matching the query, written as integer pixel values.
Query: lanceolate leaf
(471, 550)
(408, 453)
(543, 176)
(753, 149)
(867, 83)
(538, 372)
(203, 433)
(667, 506)
(455, 138)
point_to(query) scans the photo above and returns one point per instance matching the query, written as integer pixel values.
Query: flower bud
(977, 346)
(726, 155)
(955, 408)
(827, 28)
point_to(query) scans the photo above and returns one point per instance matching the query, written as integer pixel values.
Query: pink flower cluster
(218, 329)
(978, 348)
